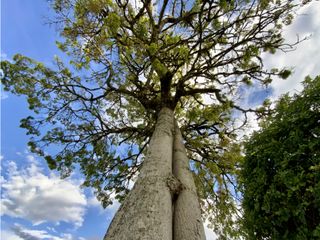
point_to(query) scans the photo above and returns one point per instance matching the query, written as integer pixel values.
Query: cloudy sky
(35, 203)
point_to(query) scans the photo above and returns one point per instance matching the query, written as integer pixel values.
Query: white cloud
(3, 56)
(8, 235)
(305, 59)
(3, 95)
(210, 235)
(52, 229)
(18, 232)
(136, 4)
(113, 208)
(67, 236)
(31, 158)
(110, 210)
(93, 202)
(30, 234)
(31, 195)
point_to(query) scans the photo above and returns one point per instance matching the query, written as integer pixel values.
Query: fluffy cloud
(304, 60)
(306, 57)
(8, 235)
(210, 235)
(20, 232)
(3, 95)
(33, 234)
(31, 195)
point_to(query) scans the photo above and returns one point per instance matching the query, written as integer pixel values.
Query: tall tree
(281, 171)
(132, 62)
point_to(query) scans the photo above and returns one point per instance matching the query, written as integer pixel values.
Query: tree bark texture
(187, 215)
(149, 210)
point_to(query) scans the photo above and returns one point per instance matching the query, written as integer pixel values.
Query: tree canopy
(281, 170)
(128, 59)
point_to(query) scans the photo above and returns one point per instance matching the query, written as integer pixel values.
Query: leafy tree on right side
(280, 176)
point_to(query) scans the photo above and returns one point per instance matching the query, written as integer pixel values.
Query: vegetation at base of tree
(129, 59)
(281, 170)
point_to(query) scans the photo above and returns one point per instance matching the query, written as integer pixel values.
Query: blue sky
(27, 184)
(36, 204)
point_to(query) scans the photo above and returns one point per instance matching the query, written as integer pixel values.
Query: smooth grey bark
(163, 204)
(187, 214)
(146, 213)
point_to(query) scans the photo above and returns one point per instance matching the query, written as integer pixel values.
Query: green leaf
(285, 73)
(51, 163)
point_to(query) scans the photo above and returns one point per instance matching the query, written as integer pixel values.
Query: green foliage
(280, 176)
(285, 73)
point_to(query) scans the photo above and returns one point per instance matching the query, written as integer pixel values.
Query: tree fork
(163, 204)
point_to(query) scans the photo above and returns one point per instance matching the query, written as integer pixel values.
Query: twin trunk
(163, 204)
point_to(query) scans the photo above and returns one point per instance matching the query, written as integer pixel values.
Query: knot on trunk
(175, 186)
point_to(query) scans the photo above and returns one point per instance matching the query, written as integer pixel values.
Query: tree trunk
(187, 215)
(163, 204)
(146, 213)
